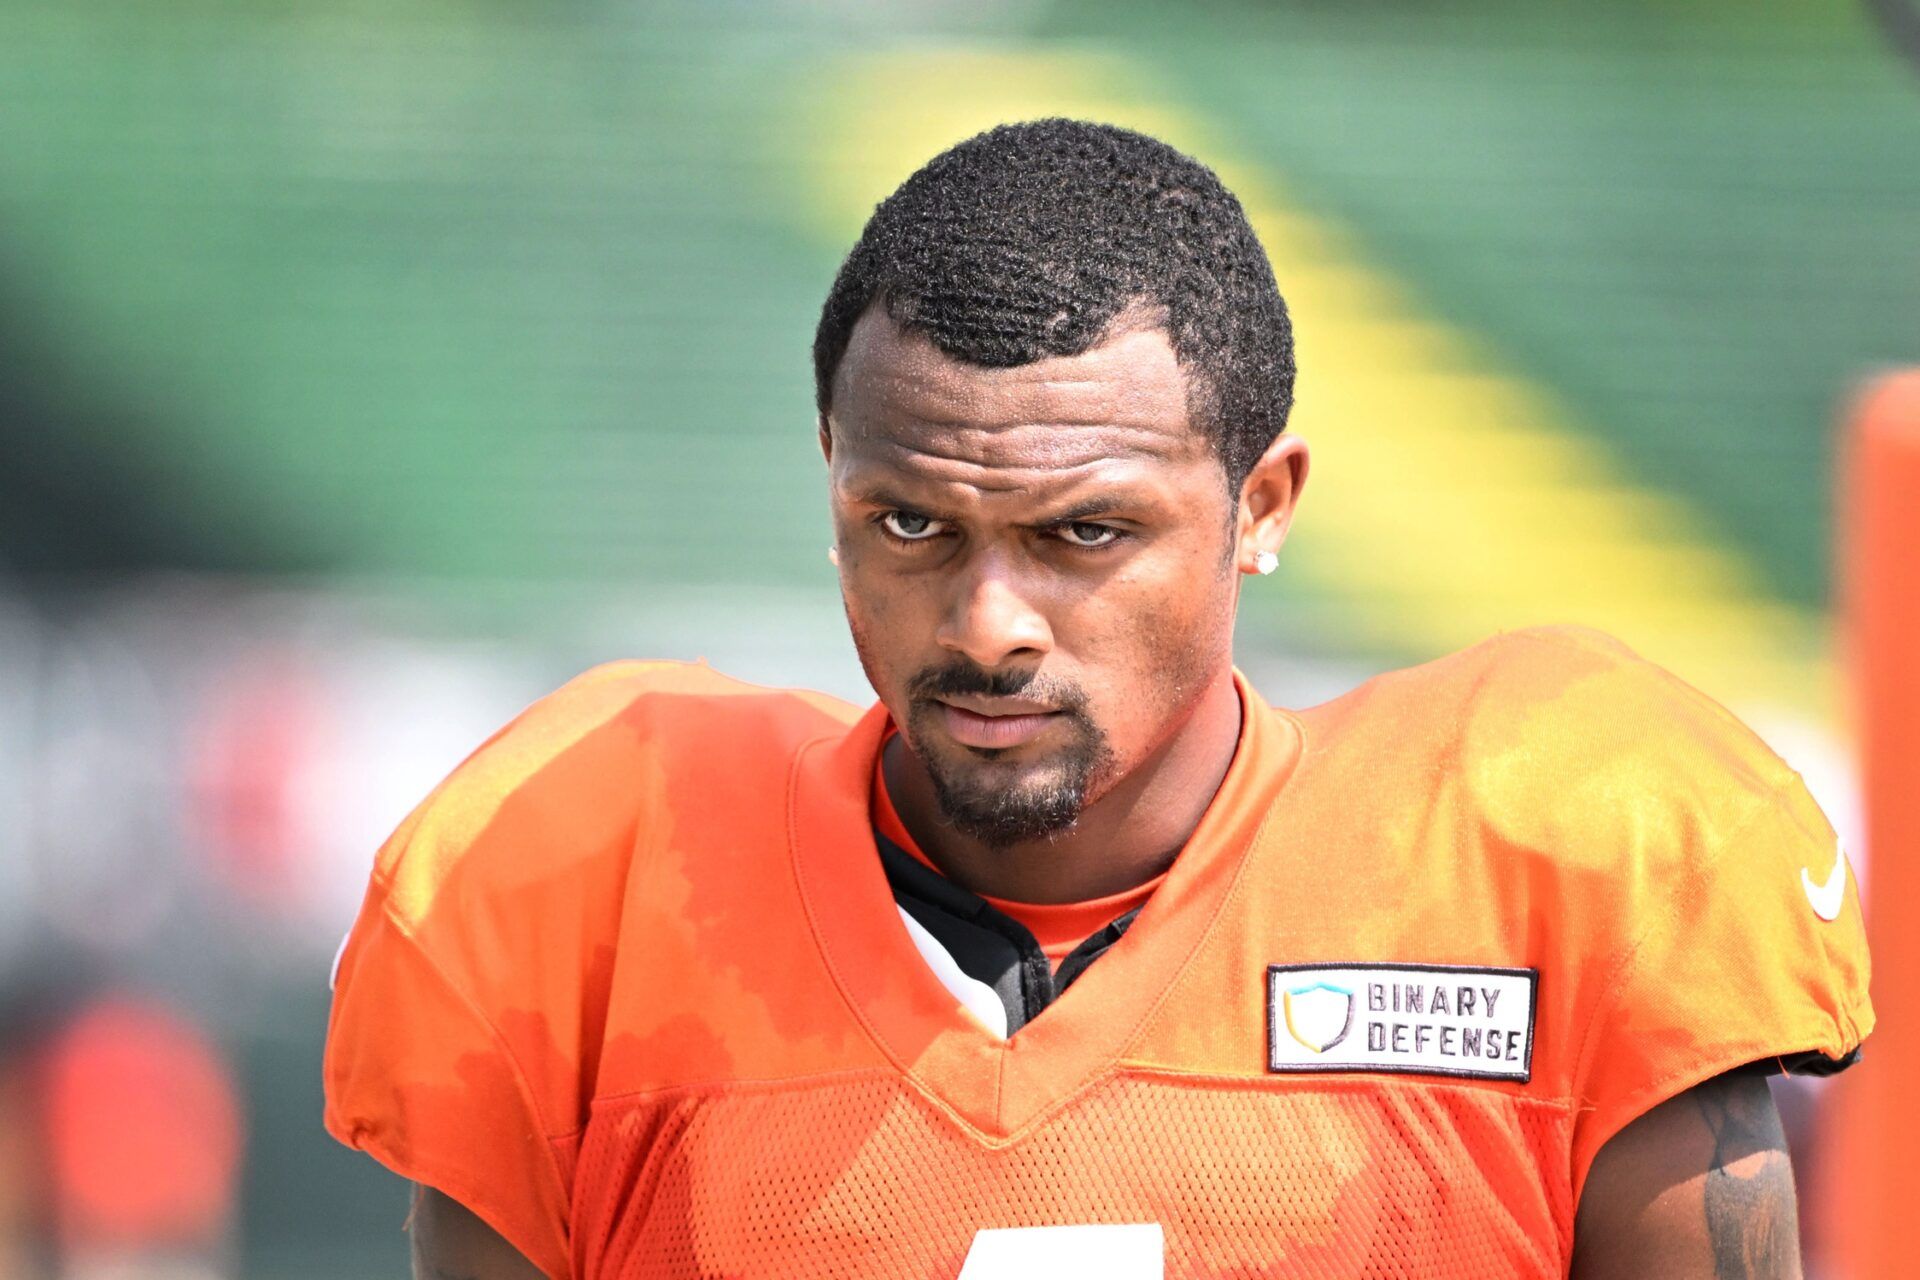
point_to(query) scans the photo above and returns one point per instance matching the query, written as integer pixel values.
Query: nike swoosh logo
(1826, 899)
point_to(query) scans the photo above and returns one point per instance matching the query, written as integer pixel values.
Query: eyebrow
(1086, 509)
(878, 495)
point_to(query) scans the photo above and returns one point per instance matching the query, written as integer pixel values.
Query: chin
(1002, 817)
(1002, 800)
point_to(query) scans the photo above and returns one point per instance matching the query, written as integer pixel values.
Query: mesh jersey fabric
(862, 1177)
(632, 986)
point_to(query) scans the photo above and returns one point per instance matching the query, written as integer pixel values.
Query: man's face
(1036, 564)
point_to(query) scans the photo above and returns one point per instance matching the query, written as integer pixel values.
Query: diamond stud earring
(1265, 562)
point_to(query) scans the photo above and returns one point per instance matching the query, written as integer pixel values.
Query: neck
(1129, 834)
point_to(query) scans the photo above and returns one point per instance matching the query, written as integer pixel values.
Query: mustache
(964, 677)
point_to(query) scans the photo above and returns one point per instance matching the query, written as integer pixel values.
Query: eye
(910, 526)
(1083, 533)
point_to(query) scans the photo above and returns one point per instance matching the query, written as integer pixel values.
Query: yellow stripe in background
(1450, 497)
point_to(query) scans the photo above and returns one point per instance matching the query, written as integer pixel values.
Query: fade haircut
(1026, 241)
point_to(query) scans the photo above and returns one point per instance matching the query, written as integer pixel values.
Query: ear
(826, 439)
(1268, 498)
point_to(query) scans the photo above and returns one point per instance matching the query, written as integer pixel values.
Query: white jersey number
(1133, 1251)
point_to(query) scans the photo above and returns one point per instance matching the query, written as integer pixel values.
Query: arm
(1698, 1187)
(451, 1243)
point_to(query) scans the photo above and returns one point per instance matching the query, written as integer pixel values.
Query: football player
(1072, 956)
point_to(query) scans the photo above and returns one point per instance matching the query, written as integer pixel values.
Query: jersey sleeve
(469, 1001)
(418, 1077)
(1737, 941)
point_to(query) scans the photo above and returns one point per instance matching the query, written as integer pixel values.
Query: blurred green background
(430, 351)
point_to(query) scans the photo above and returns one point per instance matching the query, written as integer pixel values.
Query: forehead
(900, 401)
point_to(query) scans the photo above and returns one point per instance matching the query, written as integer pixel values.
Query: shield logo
(1319, 1016)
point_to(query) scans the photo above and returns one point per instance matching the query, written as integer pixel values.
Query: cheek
(1152, 642)
(887, 631)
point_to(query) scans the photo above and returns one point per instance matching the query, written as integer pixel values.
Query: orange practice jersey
(631, 985)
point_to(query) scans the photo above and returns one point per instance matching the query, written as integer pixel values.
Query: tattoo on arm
(1751, 1219)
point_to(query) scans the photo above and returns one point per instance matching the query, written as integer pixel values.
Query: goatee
(1035, 803)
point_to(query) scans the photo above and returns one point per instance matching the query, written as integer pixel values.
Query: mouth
(993, 724)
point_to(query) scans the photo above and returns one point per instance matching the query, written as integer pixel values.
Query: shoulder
(1573, 731)
(1563, 740)
(570, 777)
(684, 704)
(1552, 800)
(474, 992)
(1537, 684)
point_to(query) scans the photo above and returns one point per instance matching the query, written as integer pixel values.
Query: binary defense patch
(1427, 1019)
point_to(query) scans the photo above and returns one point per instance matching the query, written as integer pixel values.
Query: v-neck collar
(1000, 1087)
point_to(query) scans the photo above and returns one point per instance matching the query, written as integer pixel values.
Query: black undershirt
(989, 945)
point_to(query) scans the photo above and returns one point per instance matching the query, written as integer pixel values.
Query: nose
(991, 619)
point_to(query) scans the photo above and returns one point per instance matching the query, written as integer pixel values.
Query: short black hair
(1027, 240)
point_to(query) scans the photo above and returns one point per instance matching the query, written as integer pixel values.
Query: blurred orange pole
(1873, 1187)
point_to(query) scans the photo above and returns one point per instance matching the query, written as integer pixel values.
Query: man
(1072, 956)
